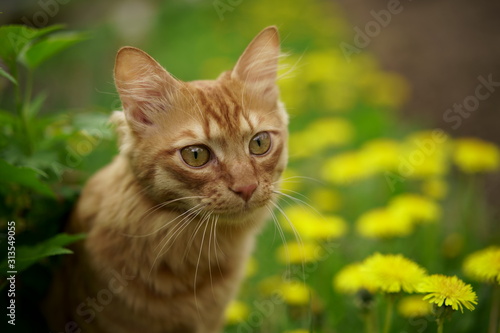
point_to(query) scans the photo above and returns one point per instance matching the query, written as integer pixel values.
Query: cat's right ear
(146, 89)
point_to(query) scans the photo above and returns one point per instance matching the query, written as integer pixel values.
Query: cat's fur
(167, 243)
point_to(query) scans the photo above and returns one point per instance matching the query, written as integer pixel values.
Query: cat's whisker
(297, 200)
(287, 179)
(209, 255)
(196, 269)
(164, 204)
(282, 236)
(178, 229)
(298, 238)
(202, 220)
(217, 246)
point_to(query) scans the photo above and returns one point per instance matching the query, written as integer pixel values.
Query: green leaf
(5, 74)
(40, 51)
(29, 255)
(23, 176)
(36, 105)
(14, 39)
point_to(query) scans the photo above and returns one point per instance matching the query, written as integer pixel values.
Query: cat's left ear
(258, 65)
(146, 89)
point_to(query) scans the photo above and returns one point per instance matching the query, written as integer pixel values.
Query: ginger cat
(172, 219)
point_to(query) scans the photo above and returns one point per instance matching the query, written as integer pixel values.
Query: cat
(172, 220)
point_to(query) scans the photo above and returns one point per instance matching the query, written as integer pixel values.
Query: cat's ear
(258, 65)
(146, 89)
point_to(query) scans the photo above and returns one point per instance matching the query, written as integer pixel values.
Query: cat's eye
(260, 143)
(195, 156)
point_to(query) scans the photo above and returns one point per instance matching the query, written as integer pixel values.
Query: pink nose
(245, 192)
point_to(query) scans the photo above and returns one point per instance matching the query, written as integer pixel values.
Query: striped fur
(167, 242)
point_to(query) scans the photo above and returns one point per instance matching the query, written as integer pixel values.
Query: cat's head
(219, 144)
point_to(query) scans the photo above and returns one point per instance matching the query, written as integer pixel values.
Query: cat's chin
(246, 216)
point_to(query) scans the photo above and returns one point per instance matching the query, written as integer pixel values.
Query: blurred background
(394, 117)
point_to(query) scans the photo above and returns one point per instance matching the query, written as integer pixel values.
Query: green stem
(440, 324)
(388, 313)
(370, 322)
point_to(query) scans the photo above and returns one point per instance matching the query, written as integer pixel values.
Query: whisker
(178, 229)
(297, 200)
(196, 270)
(282, 236)
(298, 238)
(166, 224)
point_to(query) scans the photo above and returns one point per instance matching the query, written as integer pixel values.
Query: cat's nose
(245, 191)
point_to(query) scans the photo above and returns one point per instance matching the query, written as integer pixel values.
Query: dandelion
(236, 312)
(310, 225)
(448, 291)
(296, 293)
(382, 154)
(414, 306)
(426, 154)
(383, 223)
(293, 292)
(473, 155)
(416, 207)
(319, 135)
(484, 265)
(347, 167)
(299, 253)
(393, 273)
(353, 278)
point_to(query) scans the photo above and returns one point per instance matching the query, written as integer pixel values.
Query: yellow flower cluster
(422, 155)
(399, 218)
(484, 265)
(393, 273)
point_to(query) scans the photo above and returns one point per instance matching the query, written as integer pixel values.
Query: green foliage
(32, 162)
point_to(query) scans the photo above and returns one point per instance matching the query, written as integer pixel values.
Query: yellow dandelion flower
(393, 273)
(448, 291)
(425, 154)
(347, 167)
(414, 306)
(352, 278)
(236, 312)
(435, 188)
(298, 253)
(320, 134)
(382, 154)
(475, 155)
(484, 265)
(311, 225)
(418, 208)
(383, 223)
(296, 293)
(293, 292)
